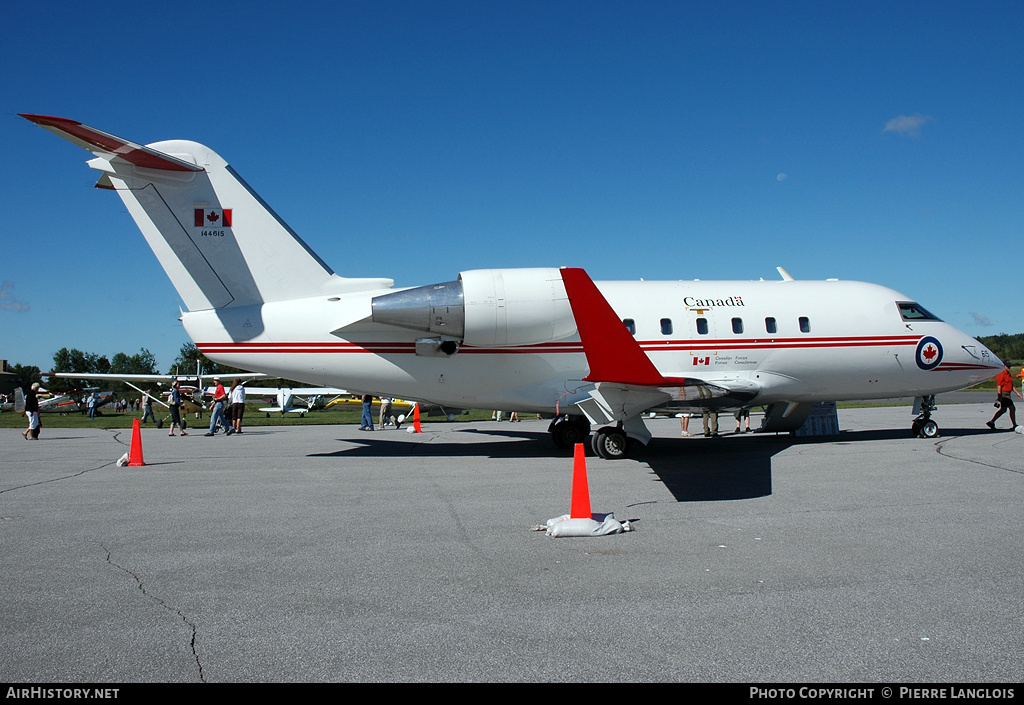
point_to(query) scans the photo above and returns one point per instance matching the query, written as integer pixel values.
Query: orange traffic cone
(135, 452)
(416, 419)
(580, 508)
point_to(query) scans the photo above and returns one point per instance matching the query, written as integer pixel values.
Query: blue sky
(881, 142)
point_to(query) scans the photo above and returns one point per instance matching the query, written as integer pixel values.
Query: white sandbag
(564, 526)
(122, 461)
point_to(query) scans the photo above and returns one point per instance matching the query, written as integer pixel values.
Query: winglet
(106, 145)
(612, 352)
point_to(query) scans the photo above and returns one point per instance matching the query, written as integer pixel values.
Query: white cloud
(980, 320)
(7, 300)
(909, 125)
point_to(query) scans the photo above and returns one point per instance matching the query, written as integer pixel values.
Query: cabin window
(769, 326)
(805, 324)
(630, 325)
(914, 312)
(737, 326)
(666, 326)
(702, 326)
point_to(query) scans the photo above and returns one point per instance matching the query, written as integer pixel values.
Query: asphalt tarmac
(319, 553)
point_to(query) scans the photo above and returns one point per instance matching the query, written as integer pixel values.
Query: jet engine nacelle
(484, 308)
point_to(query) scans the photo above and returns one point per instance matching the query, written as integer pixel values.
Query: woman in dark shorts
(237, 397)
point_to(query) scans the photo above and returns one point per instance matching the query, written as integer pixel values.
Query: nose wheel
(924, 426)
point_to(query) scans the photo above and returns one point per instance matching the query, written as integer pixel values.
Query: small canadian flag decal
(213, 218)
(702, 360)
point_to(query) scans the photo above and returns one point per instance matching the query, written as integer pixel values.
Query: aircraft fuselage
(794, 341)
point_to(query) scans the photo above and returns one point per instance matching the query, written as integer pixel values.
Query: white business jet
(530, 340)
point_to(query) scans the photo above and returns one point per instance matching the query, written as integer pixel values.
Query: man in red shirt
(1004, 385)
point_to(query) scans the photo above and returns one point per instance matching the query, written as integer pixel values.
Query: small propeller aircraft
(399, 407)
(543, 340)
(72, 402)
(307, 398)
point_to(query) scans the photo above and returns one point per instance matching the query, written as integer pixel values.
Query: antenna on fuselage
(785, 275)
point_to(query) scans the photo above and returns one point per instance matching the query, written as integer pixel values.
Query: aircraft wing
(148, 378)
(133, 380)
(626, 381)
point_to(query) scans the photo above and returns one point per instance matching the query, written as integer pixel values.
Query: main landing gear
(923, 426)
(608, 442)
(567, 431)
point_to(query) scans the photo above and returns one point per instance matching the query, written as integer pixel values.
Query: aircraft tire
(610, 444)
(566, 433)
(929, 429)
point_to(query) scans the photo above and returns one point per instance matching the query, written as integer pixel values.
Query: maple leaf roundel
(929, 353)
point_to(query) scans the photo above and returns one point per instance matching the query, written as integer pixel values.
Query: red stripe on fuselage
(393, 348)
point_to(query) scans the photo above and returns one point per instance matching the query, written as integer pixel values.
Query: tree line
(1006, 347)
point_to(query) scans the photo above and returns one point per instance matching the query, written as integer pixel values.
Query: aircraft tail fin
(217, 240)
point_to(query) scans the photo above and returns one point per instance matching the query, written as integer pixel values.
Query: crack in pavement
(162, 603)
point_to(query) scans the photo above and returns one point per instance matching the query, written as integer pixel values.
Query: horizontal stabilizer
(108, 146)
(217, 239)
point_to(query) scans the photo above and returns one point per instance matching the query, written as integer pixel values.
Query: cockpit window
(914, 312)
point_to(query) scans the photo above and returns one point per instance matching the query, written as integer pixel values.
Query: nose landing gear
(923, 426)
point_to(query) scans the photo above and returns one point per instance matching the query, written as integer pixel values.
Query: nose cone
(974, 362)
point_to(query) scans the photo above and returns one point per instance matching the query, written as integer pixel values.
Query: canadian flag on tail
(213, 218)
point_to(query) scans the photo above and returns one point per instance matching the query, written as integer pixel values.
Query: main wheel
(566, 433)
(611, 444)
(929, 429)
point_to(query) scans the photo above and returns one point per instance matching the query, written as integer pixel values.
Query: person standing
(217, 415)
(710, 424)
(91, 404)
(148, 408)
(385, 412)
(1006, 390)
(32, 412)
(237, 397)
(366, 423)
(175, 405)
(742, 415)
